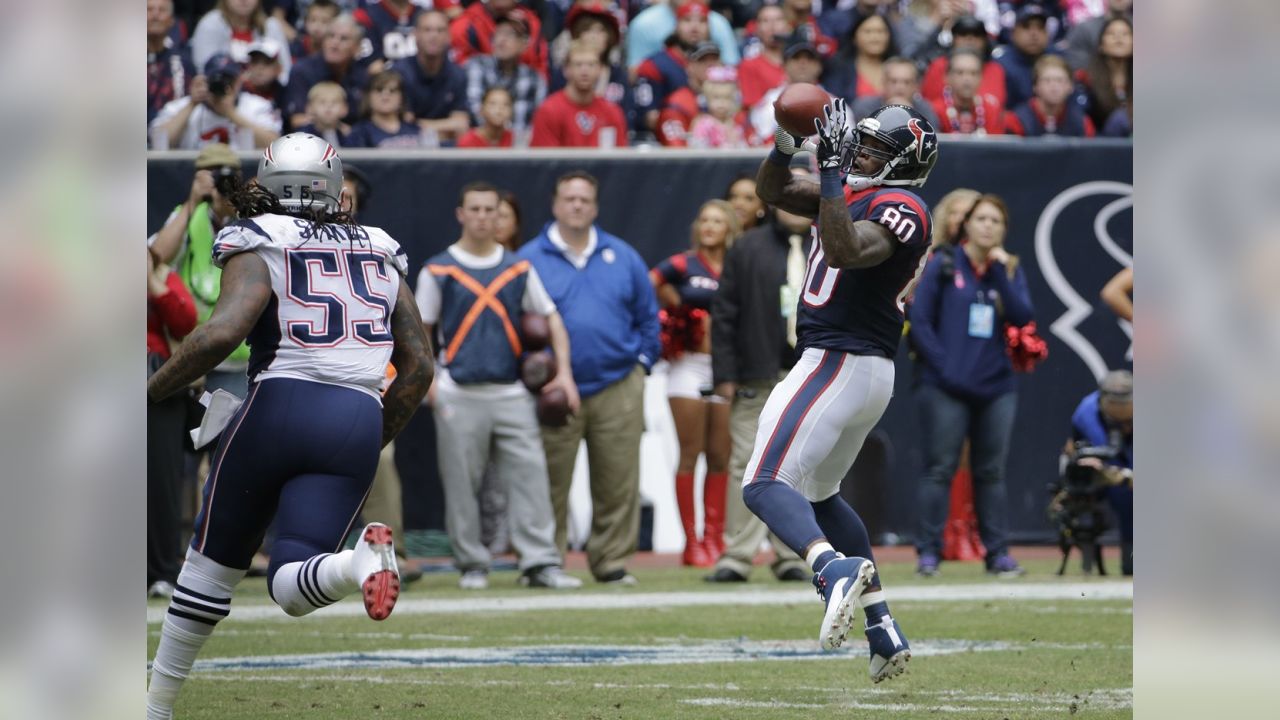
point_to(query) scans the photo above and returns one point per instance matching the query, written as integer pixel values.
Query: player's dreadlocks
(251, 200)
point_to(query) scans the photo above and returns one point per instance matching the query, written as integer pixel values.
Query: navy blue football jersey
(692, 276)
(388, 33)
(860, 311)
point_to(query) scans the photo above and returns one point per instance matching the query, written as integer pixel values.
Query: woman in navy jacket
(965, 385)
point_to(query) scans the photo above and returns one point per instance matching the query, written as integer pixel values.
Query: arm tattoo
(849, 244)
(414, 367)
(245, 292)
(778, 187)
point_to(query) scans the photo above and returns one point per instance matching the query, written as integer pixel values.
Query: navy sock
(848, 534)
(786, 512)
(844, 529)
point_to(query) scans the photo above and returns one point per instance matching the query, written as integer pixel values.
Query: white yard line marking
(1110, 590)
(566, 655)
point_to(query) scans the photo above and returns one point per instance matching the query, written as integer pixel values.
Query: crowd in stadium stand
(589, 73)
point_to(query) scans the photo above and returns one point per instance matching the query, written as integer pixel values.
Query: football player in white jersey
(324, 307)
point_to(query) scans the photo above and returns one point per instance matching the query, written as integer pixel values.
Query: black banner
(1071, 223)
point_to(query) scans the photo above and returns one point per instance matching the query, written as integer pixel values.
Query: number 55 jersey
(333, 288)
(860, 311)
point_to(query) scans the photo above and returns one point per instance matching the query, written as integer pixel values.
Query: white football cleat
(373, 564)
(840, 583)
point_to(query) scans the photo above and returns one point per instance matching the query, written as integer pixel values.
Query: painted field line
(597, 655)
(550, 600)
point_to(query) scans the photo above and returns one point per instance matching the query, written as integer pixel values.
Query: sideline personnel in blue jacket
(601, 287)
(965, 383)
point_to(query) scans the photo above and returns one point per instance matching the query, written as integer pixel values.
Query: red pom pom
(1025, 347)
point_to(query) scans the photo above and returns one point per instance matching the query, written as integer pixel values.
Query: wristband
(779, 158)
(832, 184)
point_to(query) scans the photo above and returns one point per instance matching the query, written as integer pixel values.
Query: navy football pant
(299, 451)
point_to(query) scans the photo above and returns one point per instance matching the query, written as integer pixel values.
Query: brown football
(537, 369)
(798, 106)
(553, 408)
(535, 331)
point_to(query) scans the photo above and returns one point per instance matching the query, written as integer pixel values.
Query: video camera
(1081, 479)
(1076, 509)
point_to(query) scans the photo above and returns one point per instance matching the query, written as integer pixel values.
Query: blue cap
(1030, 11)
(221, 65)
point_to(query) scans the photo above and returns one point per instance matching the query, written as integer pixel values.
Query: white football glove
(834, 134)
(787, 143)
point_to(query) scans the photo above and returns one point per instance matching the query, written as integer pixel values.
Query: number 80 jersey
(860, 311)
(333, 290)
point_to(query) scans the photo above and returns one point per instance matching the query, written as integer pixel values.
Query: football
(553, 408)
(535, 331)
(537, 369)
(798, 106)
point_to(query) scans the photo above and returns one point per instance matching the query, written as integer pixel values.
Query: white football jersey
(334, 290)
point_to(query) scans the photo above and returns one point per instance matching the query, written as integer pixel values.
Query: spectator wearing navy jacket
(336, 62)
(435, 87)
(601, 287)
(964, 379)
(1053, 110)
(1028, 41)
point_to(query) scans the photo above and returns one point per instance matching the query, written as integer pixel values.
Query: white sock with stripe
(200, 599)
(304, 587)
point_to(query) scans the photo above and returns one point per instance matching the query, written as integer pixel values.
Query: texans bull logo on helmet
(926, 140)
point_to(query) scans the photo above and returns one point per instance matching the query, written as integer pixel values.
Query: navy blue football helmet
(907, 143)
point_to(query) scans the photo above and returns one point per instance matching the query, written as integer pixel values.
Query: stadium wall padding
(1071, 223)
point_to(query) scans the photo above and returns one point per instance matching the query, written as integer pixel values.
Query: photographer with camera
(216, 111)
(185, 242)
(1098, 464)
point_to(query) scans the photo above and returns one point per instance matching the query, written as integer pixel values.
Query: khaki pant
(611, 422)
(384, 503)
(743, 530)
(476, 427)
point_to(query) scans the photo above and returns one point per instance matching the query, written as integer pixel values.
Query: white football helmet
(302, 171)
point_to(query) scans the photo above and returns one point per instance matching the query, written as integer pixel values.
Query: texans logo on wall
(1062, 257)
(586, 122)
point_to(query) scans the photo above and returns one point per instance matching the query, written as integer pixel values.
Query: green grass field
(673, 647)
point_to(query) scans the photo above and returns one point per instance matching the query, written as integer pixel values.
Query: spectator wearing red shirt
(761, 72)
(682, 106)
(598, 26)
(967, 33)
(962, 108)
(495, 115)
(1052, 110)
(575, 116)
(799, 15)
(662, 73)
(802, 64)
(471, 33)
(171, 311)
(858, 71)
(171, 314)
